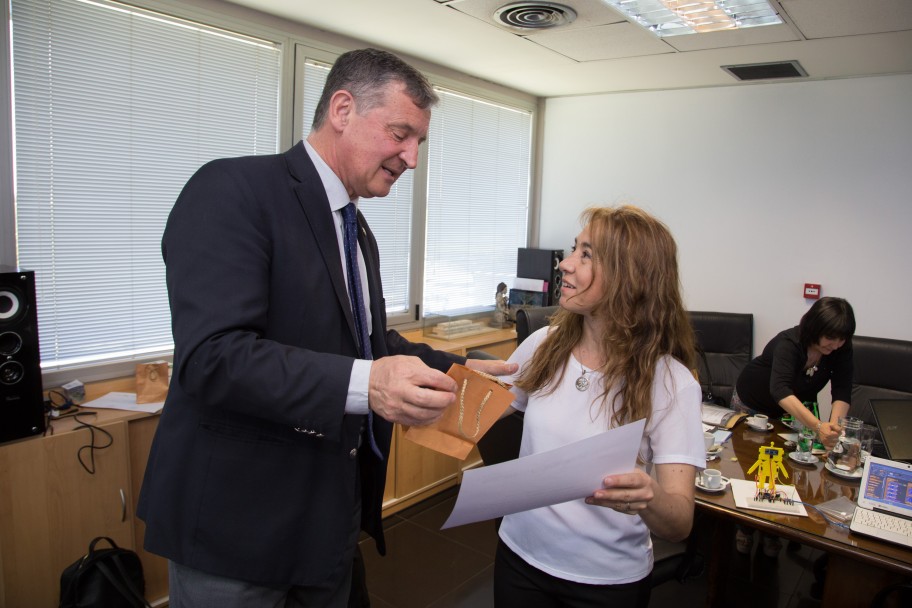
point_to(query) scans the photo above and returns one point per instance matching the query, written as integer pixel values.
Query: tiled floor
(427, 567)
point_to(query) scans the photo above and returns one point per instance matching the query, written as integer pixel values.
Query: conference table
(857, 566)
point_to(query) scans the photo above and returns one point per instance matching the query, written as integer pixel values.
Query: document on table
(122, 401)
(567, 473)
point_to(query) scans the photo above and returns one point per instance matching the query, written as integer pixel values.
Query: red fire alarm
(811, 291)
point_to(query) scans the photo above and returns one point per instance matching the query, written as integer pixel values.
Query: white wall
(765, 187)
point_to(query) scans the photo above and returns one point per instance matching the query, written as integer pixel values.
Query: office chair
(899, 594)
(725, 341)
(881, 372)
(529, 320)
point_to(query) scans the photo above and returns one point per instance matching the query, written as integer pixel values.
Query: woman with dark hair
(792, 369)
(798, 363)
(619, 350)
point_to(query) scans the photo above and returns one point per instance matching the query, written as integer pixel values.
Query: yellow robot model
(768, 465)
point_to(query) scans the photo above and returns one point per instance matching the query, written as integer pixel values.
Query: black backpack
(104, 578)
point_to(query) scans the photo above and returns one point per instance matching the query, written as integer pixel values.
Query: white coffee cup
(758, 421)
(708, 440)
(712, 478)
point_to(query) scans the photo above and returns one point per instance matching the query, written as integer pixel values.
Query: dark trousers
(516, 583)
(191, 588)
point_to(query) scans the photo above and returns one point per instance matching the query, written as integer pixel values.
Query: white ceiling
(602, 52)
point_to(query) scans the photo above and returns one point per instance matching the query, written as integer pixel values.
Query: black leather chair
(528, 320)
(725, 345)
(883, 370)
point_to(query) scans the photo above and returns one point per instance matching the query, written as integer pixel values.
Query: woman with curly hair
(619, 350)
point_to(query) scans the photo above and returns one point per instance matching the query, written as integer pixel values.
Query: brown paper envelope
(480, 401)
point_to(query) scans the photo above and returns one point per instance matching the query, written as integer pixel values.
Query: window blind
(114, 109)
(478, 201)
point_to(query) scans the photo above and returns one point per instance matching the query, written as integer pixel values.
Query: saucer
(699, 483)
(769, 427)
(853, 475)
(714, 452)
(812, 460)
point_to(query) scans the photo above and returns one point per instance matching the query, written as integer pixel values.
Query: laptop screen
(886, 485)
(894, 419)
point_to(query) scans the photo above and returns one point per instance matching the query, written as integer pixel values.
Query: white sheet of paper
(122, 401)
(568, 473)
(722, 435)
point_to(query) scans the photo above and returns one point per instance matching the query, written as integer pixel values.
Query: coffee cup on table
(712, 479)
(758, 422)
(708, 440)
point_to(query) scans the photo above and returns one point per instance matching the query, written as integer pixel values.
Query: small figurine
(501, 307)
(768, 465)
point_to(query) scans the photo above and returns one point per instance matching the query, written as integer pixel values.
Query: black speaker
(21, 401)
(541, 264)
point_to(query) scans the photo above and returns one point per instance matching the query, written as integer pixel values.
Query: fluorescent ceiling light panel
(676, 17)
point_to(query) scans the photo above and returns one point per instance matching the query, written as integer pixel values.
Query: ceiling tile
(602, 42)
(829, 18)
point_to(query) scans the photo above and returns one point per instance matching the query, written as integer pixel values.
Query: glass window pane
(478, 201)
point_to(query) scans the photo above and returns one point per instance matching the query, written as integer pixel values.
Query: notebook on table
(894, 420)
(885, 501)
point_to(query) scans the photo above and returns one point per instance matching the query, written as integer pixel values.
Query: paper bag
(151, 382)
(480, 400)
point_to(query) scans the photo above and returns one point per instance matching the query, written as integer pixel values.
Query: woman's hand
(492, 367)
(665, 502)
(829, 433)
(625, 493)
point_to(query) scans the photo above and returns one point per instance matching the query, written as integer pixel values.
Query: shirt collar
(335, 190)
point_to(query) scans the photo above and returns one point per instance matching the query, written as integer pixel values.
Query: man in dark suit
(261, 473)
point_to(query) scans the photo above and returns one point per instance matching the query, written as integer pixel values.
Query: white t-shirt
(587, 543)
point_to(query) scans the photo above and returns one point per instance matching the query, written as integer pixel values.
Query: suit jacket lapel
(313, 201)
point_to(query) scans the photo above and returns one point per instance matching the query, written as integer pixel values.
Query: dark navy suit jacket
(253, 470)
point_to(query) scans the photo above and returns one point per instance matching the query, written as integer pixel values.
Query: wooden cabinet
(57, 493)
(155, 568)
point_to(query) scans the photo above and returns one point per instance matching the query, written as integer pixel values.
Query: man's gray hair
(365, 73)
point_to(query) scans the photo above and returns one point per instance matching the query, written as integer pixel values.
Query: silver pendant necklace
(582, 383)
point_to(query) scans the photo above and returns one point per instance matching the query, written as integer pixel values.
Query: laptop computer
(885, 501)
(894, 419)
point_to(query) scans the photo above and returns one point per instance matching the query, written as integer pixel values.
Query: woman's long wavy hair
(643, 313)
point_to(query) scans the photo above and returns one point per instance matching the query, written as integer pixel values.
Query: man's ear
(341, 109)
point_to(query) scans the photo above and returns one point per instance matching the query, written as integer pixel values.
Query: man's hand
(403, 389)
(492, 367)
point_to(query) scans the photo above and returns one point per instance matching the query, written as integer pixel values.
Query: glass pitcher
(846, 454)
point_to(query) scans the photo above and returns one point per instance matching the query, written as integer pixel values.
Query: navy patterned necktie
(356, 295)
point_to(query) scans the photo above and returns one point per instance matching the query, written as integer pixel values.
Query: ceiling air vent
(534, 15)
(766, 71)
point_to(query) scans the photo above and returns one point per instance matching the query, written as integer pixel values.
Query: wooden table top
(815, 485)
